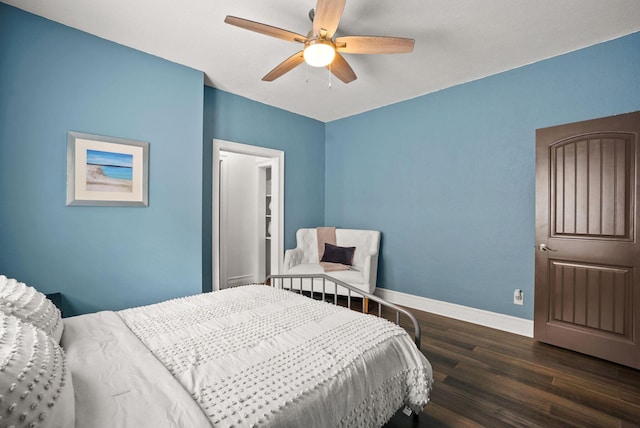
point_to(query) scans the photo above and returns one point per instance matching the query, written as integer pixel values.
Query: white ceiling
(456, 41)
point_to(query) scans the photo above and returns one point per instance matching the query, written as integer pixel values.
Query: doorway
(587, 268)
(235, 218)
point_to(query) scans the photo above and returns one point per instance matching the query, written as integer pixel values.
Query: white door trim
(277, 182)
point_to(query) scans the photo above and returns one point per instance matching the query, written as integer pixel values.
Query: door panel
(587, 292)
(592, 185)
(591, 297)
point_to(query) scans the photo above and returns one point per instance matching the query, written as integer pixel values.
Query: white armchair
(363, 273)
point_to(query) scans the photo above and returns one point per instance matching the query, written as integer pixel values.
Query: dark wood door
(587, 282)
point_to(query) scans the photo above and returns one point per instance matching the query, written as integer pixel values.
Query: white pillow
(30, 305)
(35, 384)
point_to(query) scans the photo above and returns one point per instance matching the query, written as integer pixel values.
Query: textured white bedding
(248, 356)
(118, 382)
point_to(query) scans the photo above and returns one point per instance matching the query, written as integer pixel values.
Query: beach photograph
(109, 171)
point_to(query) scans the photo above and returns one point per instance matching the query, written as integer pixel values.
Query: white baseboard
(495, 320)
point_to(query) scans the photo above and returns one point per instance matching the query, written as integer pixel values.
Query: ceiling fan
(320, 48)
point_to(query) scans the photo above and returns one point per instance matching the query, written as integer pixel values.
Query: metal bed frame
(278, 281)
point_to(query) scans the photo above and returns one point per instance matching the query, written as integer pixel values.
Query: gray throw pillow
(335, 254)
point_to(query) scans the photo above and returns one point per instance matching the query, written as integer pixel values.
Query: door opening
(258, 220)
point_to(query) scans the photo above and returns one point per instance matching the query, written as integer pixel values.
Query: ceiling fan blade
(285, 66)
(265, 29)
(373, 45)
(341, 69)
(327, 16)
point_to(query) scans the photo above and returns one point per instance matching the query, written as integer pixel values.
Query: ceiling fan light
(319, 53)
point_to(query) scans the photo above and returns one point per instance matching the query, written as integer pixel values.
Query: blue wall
(234, 118)
(449, 177)
(54, 79)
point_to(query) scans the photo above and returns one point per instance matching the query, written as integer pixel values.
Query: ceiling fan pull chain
(306, 78)
(329, 76)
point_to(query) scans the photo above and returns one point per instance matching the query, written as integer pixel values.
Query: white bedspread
(118, 383)
(257, 356)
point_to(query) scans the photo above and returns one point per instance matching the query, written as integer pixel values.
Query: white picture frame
(106, 171)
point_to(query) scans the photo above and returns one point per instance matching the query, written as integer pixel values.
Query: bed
(254, 355)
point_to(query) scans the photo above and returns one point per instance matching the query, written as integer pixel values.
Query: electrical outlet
(518, 297)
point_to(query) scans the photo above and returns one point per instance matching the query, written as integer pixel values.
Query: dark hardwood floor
(490, 378)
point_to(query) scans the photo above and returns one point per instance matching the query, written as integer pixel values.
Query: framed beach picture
(106, 171)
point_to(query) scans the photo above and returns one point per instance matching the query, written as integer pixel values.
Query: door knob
(543, 247)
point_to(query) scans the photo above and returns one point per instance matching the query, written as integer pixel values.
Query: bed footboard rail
(289, 282)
